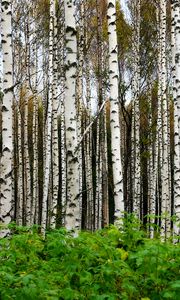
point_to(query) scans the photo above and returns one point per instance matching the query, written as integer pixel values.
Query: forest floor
(110, 264)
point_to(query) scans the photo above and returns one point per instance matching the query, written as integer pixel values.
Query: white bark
(7, 145)
(166, 199)
(88, 153)
(62, 114)
(63, 162)
(79, 101)
(151, 170)
(48, 129)
(98, 196)
(35, 196)
(114, 111)
(96, 226)
(158, 146)
(136, 115)
(27, 95)
(55, 148)
(106, 204)
(175, 42)
(20, 173)
(72, 218)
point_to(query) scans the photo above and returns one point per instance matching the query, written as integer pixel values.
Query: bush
(110, 264)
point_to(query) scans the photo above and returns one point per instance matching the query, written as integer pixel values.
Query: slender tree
(72, 218)
(48, 126)
(7, 143)
(136, 110)
(175, 45)
(166, 202)
(114, 111)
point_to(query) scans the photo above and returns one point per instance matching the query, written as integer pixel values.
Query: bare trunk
(7, 143)
(114, 112)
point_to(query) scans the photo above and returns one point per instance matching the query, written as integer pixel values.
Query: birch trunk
(63, 179)
(106, 204)
(151, 192)
(20, 173)
(7, 144)
(79, 101)
(136, 81)
(175, 45)
(114, 111)
(27, 176)
(63, 163)
(35, 196)
(88, 146)
(166, 204)
(158, 146)
(98, 197)
(48, 125)
(72, 218)
(55, 148)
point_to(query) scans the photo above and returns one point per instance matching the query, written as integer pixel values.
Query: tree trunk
(72, 218)
(7, 143)
(175, 45)
(114, 111)
(166, 199)
(136, 115)
(48, 125)
(55, 148)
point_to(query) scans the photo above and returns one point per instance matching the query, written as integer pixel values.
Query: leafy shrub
(110, 264)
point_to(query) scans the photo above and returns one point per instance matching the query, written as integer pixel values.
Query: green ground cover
(107, 265)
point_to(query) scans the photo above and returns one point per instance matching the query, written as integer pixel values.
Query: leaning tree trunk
(7, 143)
(114, 111)
(72, 218)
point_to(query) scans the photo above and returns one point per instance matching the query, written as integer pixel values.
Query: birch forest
(90, 149)
(90, 114)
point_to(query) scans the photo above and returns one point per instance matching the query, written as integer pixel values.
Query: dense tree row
(73, 151)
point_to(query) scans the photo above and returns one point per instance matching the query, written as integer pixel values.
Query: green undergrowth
(107, 265)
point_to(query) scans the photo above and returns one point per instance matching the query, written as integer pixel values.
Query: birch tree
(114, 110)
(152, 168)
(72, 218)
(27, 95)
(20, 198)
(35, 196)
(165, 204)
(48, 126)
(7, 145)
(62, 167)
(55, 149)
(136, 110)
(175, 46)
